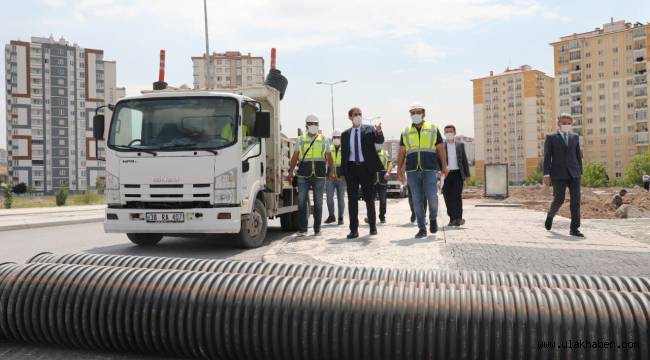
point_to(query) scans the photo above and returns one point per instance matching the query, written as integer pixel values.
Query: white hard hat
(311, 118)
(336, 132)
(416, 105)
(565, 116)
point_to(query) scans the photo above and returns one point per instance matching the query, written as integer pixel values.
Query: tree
(636, 168)
(61, 196)
(20, 188)
(8, 194)
(594, 174)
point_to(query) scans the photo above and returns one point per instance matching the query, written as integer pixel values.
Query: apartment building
(601, 79)
(513, 112)
(53, 88)
(229, 70)
(470, 147)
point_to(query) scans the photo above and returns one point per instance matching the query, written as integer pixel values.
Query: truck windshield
(174, 124)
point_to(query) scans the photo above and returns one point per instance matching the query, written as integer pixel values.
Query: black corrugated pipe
(240, 316)
(620, 283)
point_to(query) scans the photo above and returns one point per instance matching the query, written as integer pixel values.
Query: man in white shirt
(458, 166)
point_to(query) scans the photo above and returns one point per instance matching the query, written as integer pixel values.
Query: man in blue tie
(562, 169)
(360, 162)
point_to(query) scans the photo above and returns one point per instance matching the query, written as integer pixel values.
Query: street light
(331, 94)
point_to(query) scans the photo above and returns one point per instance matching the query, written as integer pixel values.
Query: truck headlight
(112, 182)
(224, 196)
(113, 197)
(226, 180)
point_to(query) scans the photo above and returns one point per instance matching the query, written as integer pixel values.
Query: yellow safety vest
(313, 163)
(336, 155)
(421, 154)
(384, 158)
(226, 132)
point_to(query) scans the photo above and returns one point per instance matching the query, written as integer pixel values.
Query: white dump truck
(197, 162)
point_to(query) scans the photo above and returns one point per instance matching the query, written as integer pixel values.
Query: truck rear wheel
(253, 227)
(145, 239)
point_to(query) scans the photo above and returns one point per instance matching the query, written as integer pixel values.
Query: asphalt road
(20, 245)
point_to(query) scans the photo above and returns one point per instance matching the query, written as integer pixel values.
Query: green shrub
(100, 184)
(618, 182)
(88, 197)
(8, 194)
(472, 181)
(594, 174)
(535, 177)
(636, 168)
(61, 196)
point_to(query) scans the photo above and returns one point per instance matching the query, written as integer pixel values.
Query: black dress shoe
(412, 218)
(340, 221)
(330, 220)
(422, 233)
(382, 220)
(548, 224)
(353, 235)
(460, 222)
(433, 228)
(577, 233)
(452, 223)
(373, 231)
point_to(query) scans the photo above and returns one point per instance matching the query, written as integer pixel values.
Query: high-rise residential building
(513, 112)
(229, 70)
(53, 88)
(3, 165)
(601, 79)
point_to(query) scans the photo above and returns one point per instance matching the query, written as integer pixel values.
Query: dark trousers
(646, 186)
(453, 194)
(381, 193)
(358, 175)
(559, 190)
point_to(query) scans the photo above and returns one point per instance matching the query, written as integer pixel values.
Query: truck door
(253, 176)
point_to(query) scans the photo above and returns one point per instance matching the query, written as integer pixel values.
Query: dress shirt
(452, 159)
(355, 134)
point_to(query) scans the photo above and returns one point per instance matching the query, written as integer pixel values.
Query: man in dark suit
(563, 168)
(458, 166)
(359, 164)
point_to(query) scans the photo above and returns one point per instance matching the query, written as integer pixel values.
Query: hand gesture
(378, 128)
(547, 180)
(386, 176)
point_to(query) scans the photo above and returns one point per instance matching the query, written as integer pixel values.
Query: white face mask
(416, 118)
(356, 120)
(566, 128)
(336, 141)
(449, 136)
(312, 129)
(379, 146)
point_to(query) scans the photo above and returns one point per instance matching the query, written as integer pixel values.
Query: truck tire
(253, 227)
(145, 239)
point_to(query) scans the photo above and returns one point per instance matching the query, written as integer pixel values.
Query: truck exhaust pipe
(275, 79)
(161, 84)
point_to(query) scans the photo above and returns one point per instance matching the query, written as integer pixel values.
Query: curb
(51, 223)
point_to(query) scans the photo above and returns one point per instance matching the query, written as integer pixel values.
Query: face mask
(449, 136)
(566, 128)
(356, 120)
(416, 118)
(379, 147)
(336, 141)
(312, 129)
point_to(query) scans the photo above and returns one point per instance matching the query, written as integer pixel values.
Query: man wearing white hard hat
(336, 185)
(312, 155)
(421, 155)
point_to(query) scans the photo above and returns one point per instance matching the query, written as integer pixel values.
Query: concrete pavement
(15, 219)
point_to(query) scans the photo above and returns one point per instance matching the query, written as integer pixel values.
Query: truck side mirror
(98, 127)
(262, 125)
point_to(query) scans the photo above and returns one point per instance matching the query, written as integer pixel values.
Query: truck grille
(167, 205)
(158, 194)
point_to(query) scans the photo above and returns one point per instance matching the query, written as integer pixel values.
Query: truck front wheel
(253, 227)
(145, 239)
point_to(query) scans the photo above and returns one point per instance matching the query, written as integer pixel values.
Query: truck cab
(197, 162)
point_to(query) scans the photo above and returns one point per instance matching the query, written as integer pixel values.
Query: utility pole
(331, 85)
(208, 60)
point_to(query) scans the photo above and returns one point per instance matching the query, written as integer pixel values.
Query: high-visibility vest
(336, 156)
(384, 158)
(313, 163)
(226, 132)
(421, 154)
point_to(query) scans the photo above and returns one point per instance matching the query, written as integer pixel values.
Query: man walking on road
(336, 185)
(646, 182)
(421, 155)
(458, 165)
(360, 163)
(312, 154)
(562, 169)
(381, 181)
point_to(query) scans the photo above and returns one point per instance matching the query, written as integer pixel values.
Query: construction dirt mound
(595, 202)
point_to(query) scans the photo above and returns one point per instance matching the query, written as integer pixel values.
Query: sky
(392, 53)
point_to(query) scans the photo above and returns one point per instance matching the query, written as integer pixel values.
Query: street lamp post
(331, 85)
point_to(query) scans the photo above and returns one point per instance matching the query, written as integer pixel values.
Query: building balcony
(575, 69)
(638, 35)
(640, 72)
(639, 59)
(642, 138)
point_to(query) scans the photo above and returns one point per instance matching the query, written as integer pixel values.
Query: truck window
(187, 123)
(248, 126)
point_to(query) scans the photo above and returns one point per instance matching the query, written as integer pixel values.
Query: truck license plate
(165, 217)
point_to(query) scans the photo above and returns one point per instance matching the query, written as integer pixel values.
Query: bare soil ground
(595, 202)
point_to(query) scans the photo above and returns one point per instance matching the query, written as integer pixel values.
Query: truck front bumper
(194, 221)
